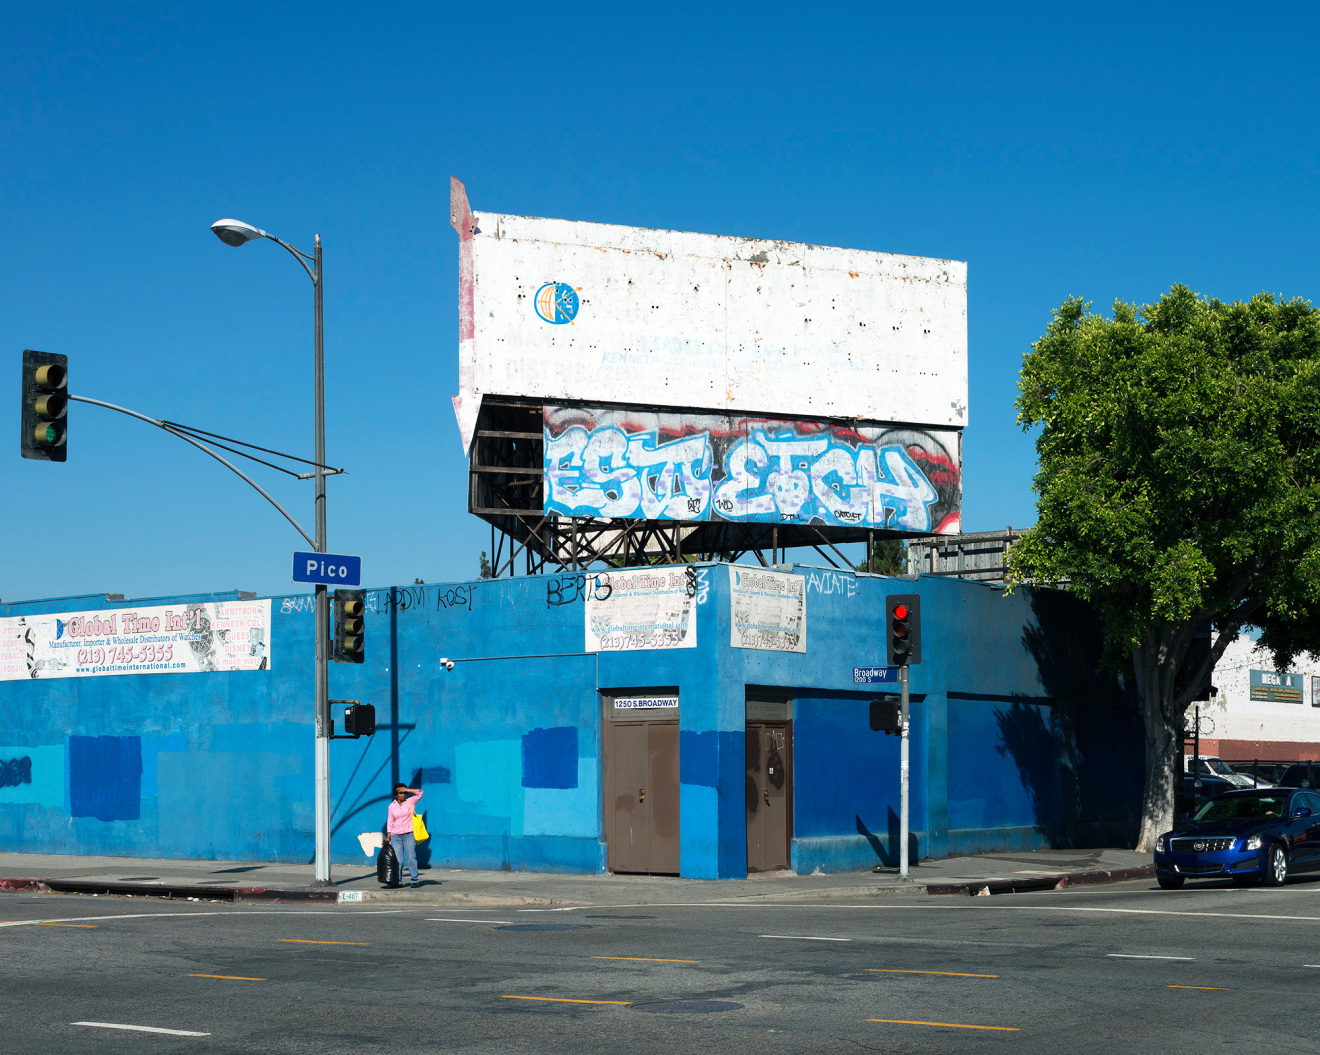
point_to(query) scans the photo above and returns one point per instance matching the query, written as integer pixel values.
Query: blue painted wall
(1017, 739)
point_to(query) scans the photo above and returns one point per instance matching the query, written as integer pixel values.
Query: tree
(888, 557)
(1178, 489)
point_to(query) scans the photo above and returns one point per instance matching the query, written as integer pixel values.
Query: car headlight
(1161, 844)
(1252, 844)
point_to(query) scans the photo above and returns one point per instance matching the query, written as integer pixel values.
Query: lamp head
(236, 232)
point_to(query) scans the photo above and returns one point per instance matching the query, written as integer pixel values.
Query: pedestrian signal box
(903, 629)
(360, 719)
(886, 715)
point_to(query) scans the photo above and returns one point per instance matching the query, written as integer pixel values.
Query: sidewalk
(240, 881)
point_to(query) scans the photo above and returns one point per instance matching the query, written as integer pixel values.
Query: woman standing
(400, 828)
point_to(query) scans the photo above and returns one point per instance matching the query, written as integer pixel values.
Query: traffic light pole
(903, 772)
(322, 619)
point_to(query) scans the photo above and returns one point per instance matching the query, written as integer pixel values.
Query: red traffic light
(900, 611)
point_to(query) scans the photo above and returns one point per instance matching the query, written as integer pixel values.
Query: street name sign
(875, 675)
(331, 569)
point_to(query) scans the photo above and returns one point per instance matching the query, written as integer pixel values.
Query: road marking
(52, 923)
(1216, 988)
(951, 974)
(647, 959)
(314, 941)
(566, 1000)
(1140, 956)
(446, 919)
(142, 1029)
(947, 1025)
(1311, 965)
(800, 937)
(230, 977)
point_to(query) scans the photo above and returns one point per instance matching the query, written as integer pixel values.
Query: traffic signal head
(903, 629)
(349, 643)
(42, 416)
(360, 719)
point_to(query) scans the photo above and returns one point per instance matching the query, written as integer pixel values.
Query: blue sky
(1106, 154)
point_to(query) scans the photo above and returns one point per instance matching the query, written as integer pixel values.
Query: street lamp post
(236, 233)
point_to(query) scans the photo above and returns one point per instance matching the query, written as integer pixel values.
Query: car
(1247, 836)
(1301, 775)
(1216, 767)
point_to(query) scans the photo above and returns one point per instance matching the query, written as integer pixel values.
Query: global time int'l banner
(637, 611)
(169, 639)
(619, 464)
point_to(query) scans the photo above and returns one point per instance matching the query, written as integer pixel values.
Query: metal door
(769, 795)
(641, 788)
(662, 751)
(628, 810)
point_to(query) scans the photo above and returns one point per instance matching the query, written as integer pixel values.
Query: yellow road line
(647, 959)
(43, 923)
(947, 1025)
(1217, 988)
(313, 941)
(951, 974)
(230, 977)
(565, 1000)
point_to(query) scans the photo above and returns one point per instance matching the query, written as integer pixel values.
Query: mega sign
(616, 464)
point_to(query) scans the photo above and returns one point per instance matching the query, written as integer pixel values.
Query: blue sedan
(1246, 836)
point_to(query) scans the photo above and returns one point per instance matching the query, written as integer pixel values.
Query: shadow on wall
(886, 851)
(1025, 737)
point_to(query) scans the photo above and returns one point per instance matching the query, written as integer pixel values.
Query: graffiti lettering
(828, 582)
(460, 596)
(703, 586)
(742, 470)
(564, 589)
(15, 771)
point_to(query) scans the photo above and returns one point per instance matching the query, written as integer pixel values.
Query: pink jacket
(401, 815)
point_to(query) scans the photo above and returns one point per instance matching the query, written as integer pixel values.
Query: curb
(170, 891)
(976, 888)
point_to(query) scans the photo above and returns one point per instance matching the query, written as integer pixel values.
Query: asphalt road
(1126, 968)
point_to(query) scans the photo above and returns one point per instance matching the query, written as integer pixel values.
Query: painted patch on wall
(40, 780)
(105, 777)
(550, 758)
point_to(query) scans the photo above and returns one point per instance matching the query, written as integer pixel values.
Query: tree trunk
(1155, 667)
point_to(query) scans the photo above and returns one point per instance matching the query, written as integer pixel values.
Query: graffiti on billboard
(620, 464)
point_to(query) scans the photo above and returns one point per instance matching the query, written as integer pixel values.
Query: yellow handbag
(419, 828)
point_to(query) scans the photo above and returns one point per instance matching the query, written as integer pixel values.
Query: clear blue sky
(1103, 155)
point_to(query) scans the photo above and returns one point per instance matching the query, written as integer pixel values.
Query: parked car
(1217, 767)
(1301, 775)
(1246, 836)
(1267, 774)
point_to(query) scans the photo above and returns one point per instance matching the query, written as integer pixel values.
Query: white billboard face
(566, 311)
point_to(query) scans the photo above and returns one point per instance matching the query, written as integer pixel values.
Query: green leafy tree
(1178, 488)
(888, 557)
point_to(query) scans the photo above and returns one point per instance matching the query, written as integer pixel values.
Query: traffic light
(360, 719)
(44, 405)
(349, 644)
(903, 629)
(886, 715)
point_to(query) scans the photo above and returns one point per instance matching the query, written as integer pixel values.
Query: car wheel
(1169, 882)
(1276, 869)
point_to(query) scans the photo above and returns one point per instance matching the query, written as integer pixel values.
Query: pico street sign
(332, 569)
(875, 675)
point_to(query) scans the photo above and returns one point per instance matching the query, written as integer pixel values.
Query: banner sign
(875, 675)
(647, 465)
(174, 639)
(1276, 686)
(769, 610)
(634, 611)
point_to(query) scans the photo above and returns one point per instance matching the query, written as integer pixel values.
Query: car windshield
(1237, 807)
(1215, 765)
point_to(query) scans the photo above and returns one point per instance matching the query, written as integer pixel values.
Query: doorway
(769, 738)
(641, 799)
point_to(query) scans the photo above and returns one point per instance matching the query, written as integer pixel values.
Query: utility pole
(903, 771)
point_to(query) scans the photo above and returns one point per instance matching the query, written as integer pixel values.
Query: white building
(1260, 712)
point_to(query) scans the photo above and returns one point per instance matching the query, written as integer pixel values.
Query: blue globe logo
(557, 303)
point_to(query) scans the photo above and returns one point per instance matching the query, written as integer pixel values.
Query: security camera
(448, 664)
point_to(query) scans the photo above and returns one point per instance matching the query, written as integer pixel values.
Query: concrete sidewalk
(244, 881)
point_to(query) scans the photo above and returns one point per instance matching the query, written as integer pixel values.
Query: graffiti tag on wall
(621, 464)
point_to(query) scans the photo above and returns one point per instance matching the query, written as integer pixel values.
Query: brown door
(769, 795)
(642, 802)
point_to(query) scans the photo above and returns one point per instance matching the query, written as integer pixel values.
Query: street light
(235, 233)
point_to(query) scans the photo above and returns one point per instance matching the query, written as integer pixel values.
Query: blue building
(537, 754)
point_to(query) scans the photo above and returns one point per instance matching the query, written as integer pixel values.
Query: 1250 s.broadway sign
(173, 639)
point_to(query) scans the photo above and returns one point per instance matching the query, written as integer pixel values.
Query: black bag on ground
(387, 866)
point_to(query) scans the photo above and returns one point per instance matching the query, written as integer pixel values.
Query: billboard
(199, 638)
(563, 311)
(624, 464)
